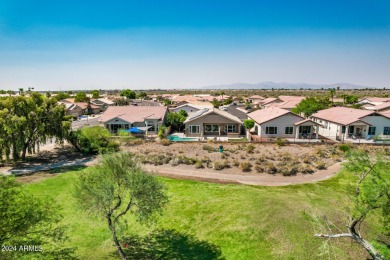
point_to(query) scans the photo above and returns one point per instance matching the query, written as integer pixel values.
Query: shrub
(288, 170)
(344, 147)
(92, 140)
(321, 165)
(161, 132)
(270, 168)
(260, 160)
(123, 133)
(306, 169)
(218, 166)
(245, 166)
(236, 163)
(280, 142)
(226, 164)
(250, 148)
(165, 142)
(209, 148)
(199, 165)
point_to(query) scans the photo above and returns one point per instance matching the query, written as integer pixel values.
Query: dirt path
(263, 179)
(192, 174)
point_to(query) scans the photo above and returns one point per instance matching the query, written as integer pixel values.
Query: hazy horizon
(174, 44)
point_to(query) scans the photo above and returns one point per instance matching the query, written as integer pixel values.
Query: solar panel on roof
(198, 113)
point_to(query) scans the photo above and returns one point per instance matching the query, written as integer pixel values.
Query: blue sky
(181, 44)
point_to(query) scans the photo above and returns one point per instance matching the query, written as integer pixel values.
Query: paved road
(91, 121)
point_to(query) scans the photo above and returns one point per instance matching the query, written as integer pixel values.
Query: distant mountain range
(285, 85)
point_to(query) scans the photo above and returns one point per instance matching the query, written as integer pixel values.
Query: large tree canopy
(28, 220)
(27, 122)
(117, 186)
(130, 94)
(370, 197)
(176, 120)
(81, 97)
(310, 105)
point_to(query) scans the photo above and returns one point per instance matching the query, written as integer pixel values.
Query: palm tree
(332, 93)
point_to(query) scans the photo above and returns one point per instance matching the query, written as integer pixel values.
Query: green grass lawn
(243, 222)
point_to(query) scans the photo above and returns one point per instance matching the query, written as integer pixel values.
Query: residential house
(212, 122)
(190, 108)
(379, 108)
(255, 99)
(268, 101)
(102, 103)
(72, 109)
(237, 110)
(275, 122)
(148, 118)
(348, 123)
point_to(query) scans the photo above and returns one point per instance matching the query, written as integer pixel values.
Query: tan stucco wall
(210, 119)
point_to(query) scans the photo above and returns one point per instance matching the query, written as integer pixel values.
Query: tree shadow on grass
(169, 244)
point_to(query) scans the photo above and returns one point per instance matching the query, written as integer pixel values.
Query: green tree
(116, 186)
(310, 105)
(216, 103)
(249, 123)
(121, 101)
(228, 101)
(371, 195)
(27, 122)
(21, 91)
(167, 102)
(332, 92)
(29, 220)
(81, 97)
(142, 95)
(92, 140)
(60, 96)
(176, 120)
(128, 93)
(95, 94)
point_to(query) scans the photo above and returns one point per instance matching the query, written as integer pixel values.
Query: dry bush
(218, 166)
(236, 163)
(320, 165)
(245, 166)
(261, 159)
(270, 168)
(199, 165)
(165, 142)
(306, 169)
(250, 148)
(288, 170)
(209, 148)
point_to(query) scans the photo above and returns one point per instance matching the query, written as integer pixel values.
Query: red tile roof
(342, 115)
(267, 114)
(133, 113)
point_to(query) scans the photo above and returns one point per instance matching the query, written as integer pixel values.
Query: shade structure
(134, 130)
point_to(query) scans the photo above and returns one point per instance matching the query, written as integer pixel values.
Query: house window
(194, 129)
(230, 128)
(289, 130)
(305, 129)
(211, 128)
(151, 125)
(271, 130)
(371, 130)
(386, 130)
(343, 129)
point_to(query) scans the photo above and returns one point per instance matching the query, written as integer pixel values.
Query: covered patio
(356, 130)
(306, 129)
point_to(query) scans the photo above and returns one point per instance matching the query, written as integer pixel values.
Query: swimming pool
(176, 138)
